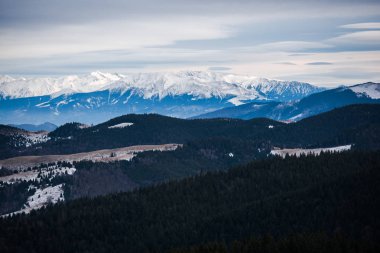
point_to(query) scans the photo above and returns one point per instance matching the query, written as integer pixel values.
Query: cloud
(286, 63)
(300, 54)
(119, 35)
(219, 68)
(361, 38)
(291, 46)
(319, 63)
(371, 25)
(262, 38)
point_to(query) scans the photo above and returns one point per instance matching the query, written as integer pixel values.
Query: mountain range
(99, 96)
(47, 126)
(367, 93)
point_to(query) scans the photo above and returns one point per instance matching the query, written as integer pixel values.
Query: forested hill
(330, 193)
(355, 124)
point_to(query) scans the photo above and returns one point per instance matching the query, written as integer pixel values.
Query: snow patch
(294, 118)
(83, 126)
(235, 101)
(37, 175)
(41, 198)
(35, 138)
(316, 151)
(27, 139)
(44, 104)
(121, 125)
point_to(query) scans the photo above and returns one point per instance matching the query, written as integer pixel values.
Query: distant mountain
(47, 126)
(367, 93)
(99, 96)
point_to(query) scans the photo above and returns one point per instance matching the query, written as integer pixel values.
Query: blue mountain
(47, 126)
(367, 93)
(99, 96)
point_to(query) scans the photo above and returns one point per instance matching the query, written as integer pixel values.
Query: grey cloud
(319, 63)
(50, 12)
(300, 54)
(286, 63)
(219, 68)
(369, 25)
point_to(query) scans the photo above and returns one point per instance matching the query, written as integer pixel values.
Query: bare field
(104, 155)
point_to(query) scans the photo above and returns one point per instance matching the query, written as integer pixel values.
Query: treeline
(278, 197)
(148, 168)
(299, 243)
(13, 196)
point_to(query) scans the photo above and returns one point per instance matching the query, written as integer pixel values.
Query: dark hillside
(279, 197)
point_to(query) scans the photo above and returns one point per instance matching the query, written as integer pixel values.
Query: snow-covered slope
(198, 84)
(41, 86)
(371, 90)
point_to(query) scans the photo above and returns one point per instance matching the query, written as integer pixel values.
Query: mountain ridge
(199, 84)
(47, 126)
(99, 96)
(308, 106)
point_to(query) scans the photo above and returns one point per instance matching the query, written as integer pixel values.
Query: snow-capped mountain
(97, 96)
(366, 93)
(195, 83)
(41, 86)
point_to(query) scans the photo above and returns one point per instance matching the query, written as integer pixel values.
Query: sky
(326, 43)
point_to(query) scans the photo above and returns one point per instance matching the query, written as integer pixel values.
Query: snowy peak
(106, 76)
(43, 86)
(199, 84)
(5, 79)
(371, 90)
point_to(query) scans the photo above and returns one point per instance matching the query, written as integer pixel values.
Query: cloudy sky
(323, 42)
